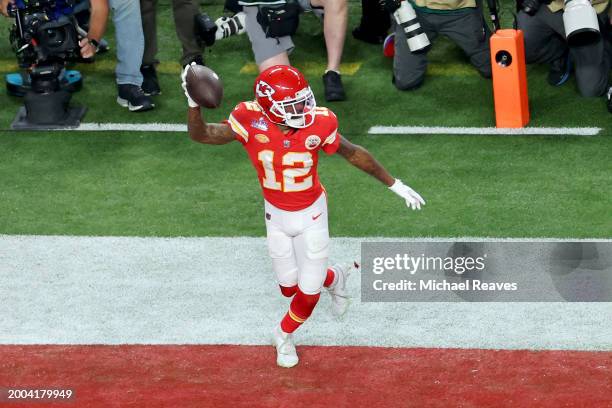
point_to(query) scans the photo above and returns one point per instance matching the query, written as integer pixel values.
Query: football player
(283, 132)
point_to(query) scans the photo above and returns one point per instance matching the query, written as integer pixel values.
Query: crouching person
(419, 22)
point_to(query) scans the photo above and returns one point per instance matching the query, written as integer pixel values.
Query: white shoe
(339, 295)
(286, 356)
(228, 26)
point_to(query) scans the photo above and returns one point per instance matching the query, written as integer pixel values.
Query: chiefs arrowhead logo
(262, 138)
(263, 89)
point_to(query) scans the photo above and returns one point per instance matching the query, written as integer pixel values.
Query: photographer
(270, 26)
(545, 42)
(460, 20)
(194, 29)
(184, 12)
(130, 48)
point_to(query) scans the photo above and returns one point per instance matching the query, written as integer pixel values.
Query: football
(204, 86)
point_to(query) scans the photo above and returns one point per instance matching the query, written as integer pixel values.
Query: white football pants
(298, 244)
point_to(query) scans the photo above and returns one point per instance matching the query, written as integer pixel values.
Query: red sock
(288, 291)
(300, 309)
(329, 279)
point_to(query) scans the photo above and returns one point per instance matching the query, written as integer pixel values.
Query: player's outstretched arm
(209, 133)
(363, 160)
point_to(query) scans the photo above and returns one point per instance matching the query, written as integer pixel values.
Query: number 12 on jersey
(290, 174)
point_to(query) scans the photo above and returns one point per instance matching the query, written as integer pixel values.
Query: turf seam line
(368, 239)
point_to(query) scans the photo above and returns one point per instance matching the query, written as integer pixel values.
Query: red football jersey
(286, 164)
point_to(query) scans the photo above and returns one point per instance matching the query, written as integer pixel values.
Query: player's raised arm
(199, 130)
(209, 133)
(363, 160)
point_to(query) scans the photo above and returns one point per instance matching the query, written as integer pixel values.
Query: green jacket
(444, 5)
(598, 5)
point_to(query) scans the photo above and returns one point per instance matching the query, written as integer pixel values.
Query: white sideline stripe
(128, 290)
(131, 127)
(441, 130)
(375, 130)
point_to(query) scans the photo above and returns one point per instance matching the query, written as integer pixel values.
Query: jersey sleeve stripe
(238, 128)
(319, 110)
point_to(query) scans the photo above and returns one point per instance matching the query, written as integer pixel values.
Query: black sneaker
(609, 99)
(197, 59)
(560, 70)
(367, 36)
(150, 84)
(334, 91)
(132, 97)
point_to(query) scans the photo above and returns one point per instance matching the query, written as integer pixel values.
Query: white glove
(413, 199)
(190, 102)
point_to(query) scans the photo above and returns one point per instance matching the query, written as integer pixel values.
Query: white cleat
(286, 355)
(339, 295)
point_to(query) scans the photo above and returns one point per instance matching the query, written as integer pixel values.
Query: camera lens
(53, 37)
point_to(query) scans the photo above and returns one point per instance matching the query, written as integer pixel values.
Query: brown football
(204, 86)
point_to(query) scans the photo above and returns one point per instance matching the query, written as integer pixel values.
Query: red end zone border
(246, 376)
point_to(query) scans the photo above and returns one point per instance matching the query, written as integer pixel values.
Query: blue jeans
(129, 39)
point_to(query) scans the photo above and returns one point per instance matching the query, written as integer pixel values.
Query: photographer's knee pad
(589, 87)
(409, 84)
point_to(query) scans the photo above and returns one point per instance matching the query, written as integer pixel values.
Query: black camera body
(44, 32)
(44, 37)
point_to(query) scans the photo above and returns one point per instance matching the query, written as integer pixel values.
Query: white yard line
(131, 127)
(441, 130)
(117, 290)
(375, 130)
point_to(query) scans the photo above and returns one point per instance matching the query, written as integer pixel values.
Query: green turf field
(162, 184)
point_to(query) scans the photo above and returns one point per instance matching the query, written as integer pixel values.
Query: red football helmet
(285, 97)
